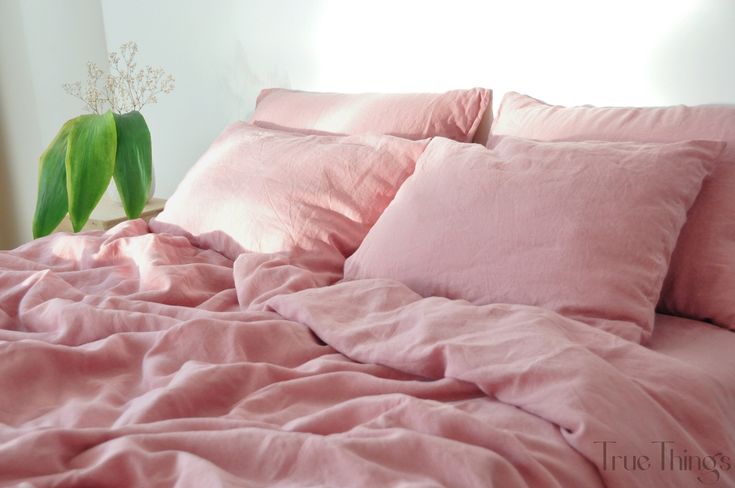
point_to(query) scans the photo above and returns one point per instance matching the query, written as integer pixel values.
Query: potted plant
(113, 142)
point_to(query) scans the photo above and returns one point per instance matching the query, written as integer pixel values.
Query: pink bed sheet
(136, 359)
(698, 344)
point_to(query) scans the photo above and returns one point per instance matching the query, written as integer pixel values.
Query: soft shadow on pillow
(585, 229)
(455, 114)
(701, 281)
(270, 191)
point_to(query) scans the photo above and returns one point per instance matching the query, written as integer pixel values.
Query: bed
(372, 337)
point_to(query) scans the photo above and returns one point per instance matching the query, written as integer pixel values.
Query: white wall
(623, 52)
(637, 52)
(18, 127)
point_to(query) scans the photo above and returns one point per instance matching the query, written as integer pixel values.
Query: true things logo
(665, 456)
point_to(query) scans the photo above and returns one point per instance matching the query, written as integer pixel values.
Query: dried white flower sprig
(123, 89)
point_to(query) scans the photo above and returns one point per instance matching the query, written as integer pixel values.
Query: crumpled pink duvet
(136, 359)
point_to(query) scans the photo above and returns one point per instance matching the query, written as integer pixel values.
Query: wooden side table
(108, 214)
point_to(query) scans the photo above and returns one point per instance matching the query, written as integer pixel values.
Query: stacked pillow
(264, 190)
(261, 189)
(701, 279)
(586, 229)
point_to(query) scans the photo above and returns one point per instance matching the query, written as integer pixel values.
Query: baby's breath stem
(123, 89)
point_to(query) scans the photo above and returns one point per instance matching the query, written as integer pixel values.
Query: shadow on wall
(243, 83)
(9, 234)
(695, 63)
(274, 48)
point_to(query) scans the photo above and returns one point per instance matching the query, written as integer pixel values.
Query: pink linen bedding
(585, 228)
(710, 349)
(136, 359)
(701, 277)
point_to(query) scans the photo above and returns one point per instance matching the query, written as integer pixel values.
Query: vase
(112, 195)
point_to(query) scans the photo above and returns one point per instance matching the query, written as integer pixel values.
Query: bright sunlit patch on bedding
(65, 247)
(342, 117)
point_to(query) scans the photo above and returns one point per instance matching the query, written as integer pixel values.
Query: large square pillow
(270, 191)
(585, 229)
(455, 114)
(701, 281)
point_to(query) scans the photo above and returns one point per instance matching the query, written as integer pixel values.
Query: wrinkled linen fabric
(137, 359)
(596, 387)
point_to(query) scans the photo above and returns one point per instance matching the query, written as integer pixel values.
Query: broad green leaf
(52, 203)
(90, 162)
(133, 164)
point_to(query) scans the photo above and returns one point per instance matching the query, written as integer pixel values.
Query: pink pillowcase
(270, 191)
(701, 281)
(585, 229)
(455, 114)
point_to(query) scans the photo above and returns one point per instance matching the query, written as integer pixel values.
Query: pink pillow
(585, 229)
(270, 191)
(701, 281)
(454, 114)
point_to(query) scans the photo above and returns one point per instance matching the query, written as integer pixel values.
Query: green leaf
(90, 162)
(52, 203)
(133, 162)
